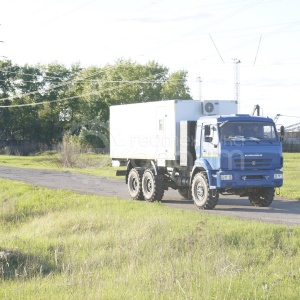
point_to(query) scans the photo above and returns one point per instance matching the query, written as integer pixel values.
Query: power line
(257, 51)
(220, 20)
(243, 29)
(10, 98)
(77, 80)
(74, 97)
(216, 48)
(281, 29)
(69, 81)
(100, 81)
(266, 35)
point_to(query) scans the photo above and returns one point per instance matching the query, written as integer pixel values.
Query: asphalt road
(281, 211)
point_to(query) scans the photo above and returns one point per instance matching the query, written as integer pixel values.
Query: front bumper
(241, 179)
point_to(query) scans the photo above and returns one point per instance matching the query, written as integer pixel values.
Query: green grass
(291, 176)
(89, 163)
(62, 245)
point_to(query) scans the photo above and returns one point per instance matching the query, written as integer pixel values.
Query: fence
(290, 147)
(14, 147)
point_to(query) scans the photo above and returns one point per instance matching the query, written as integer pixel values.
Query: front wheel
(263, 197)
(152, 186)
(203, 197)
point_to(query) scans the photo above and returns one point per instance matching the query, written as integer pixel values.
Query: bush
(70, 150)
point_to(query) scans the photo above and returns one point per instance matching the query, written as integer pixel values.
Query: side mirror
(207, 130)
(282, 132)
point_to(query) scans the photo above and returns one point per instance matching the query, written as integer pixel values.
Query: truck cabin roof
(236, 118)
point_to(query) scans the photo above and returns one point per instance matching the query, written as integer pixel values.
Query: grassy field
(89, 163)
(62, 245)
(291, 176)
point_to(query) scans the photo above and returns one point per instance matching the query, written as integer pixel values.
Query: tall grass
(75, 152)
(62, 245)
(291, 175)
(71, 151)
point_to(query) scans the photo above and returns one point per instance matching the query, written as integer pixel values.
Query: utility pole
(200, 87)
(237, 82)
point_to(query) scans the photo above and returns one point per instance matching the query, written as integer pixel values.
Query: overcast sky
(202, 37)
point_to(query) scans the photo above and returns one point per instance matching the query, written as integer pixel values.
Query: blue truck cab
(238, 155)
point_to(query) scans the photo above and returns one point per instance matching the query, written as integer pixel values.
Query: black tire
(184, 192)
(135, 184)
(263, 197)
(152, 186)
(203, 197)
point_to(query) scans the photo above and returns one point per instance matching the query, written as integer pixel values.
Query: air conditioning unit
(220, 107)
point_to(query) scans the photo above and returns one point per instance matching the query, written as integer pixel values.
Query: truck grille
(252, 163)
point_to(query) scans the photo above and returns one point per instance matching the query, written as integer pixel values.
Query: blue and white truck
(200, 148)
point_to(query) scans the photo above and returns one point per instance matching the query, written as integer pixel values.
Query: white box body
(150, 130)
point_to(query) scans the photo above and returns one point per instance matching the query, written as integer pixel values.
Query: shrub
(70, 150)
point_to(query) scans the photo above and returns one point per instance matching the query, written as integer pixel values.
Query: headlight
(226, 177)
(278, 176)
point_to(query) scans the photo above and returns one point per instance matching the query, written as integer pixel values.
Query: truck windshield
(245, 131)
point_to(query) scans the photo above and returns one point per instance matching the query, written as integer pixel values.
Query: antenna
(237, 81)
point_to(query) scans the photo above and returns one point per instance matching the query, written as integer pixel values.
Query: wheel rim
(200, 191)
(134, 184)
(148, 185)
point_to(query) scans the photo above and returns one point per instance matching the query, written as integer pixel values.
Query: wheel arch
(196, 170)
(201, 165)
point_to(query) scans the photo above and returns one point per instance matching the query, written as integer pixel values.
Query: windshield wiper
(223, 123)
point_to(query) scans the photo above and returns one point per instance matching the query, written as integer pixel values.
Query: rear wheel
(203, 197)
(263, 197)
(152, 186)
(135, 184)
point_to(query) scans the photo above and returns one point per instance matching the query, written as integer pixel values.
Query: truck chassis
(148, 182)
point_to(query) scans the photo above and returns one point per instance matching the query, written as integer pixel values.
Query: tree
(130, 82)
(58, 85)
(175, 87)
(53, 98)
(28, 81)
(8, 73)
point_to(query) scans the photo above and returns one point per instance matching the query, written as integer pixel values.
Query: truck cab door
(210, 145)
